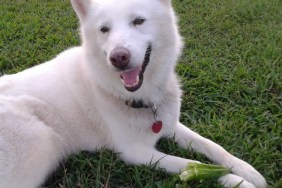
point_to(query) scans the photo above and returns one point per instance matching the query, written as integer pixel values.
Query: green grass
(231, 72)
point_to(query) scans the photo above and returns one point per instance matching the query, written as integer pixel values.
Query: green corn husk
(199, 171)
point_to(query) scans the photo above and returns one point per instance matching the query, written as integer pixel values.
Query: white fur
(77, 101)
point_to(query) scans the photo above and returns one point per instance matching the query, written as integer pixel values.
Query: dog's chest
(139, 122)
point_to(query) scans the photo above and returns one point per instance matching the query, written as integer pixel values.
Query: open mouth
(133, 79)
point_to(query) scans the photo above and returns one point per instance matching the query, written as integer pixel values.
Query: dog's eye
(104, 29)
(138, 21)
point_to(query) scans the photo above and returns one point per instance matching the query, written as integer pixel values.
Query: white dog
(118, 90)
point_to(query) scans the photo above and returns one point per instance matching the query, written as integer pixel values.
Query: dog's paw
(247, 172)
(231, 180)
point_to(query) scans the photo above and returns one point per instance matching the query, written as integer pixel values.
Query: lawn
(231, 73)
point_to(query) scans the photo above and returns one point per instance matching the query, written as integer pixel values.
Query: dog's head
(129, 37)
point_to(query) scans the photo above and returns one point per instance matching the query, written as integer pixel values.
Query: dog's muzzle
(132, 78)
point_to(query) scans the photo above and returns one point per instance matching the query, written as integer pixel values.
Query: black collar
(137, 104)
(140, 104)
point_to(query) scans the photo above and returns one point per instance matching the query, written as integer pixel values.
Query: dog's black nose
(120, 57)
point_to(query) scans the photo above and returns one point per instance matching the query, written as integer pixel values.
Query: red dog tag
(157, 126)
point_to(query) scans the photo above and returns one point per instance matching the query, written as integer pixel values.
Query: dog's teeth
(131, 85)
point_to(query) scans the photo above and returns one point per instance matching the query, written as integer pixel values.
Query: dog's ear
(81, 7)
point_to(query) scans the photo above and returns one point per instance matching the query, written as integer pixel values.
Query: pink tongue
(130, 77)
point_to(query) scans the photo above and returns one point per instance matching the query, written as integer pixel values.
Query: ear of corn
(199, 171)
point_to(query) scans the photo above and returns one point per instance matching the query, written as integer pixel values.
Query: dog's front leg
(145, 155)
(187, 138)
